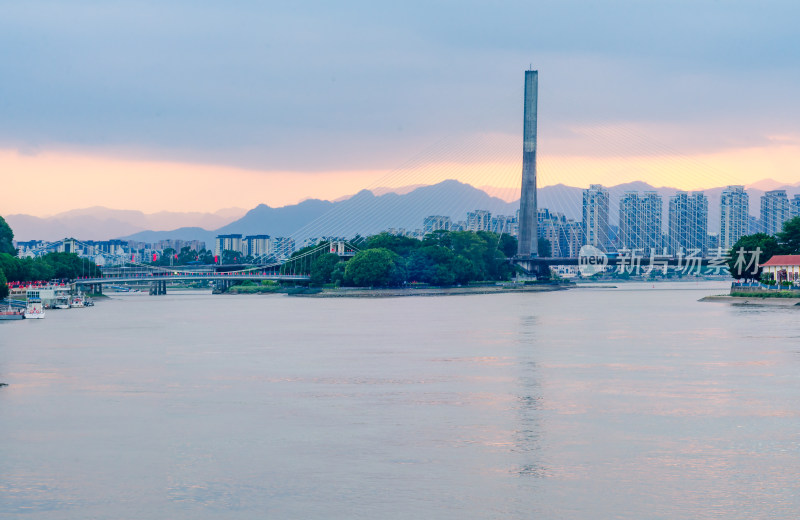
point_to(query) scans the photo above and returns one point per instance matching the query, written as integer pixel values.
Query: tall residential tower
(688, 223)
(775, 210)
(595, 217)
(734, 212)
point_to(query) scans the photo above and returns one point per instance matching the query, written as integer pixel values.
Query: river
(630, 403)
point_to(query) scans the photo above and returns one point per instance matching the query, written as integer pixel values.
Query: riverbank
(752, 300)
(429, 291)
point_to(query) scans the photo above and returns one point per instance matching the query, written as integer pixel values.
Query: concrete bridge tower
(527, 235)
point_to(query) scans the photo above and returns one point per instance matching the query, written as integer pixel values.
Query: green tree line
(745, 266)
(46, 267)
(441, 258)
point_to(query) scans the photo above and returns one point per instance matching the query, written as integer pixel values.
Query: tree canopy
(750, 251)
(6, 238)
(3, 285)
(52, 265)
(375, 268)
(789, 237)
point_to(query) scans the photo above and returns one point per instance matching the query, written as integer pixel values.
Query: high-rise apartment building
(564, 235)
(595, 217)
(227, 243)
(257, 246)
(436, 223)
(479, 220)
(734, 216)
(796, 205)
(282, 247)
(640, 222)
(775, 210)
(504, 225)
(688, 223)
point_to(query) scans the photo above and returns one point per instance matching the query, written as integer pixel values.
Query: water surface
(636, 402)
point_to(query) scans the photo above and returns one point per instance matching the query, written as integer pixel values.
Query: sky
(197, 106)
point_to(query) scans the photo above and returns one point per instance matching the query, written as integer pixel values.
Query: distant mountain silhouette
(100, 223)
(366, 213)
(363, 213)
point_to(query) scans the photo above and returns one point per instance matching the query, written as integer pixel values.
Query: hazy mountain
(365, 213)
(100, 223)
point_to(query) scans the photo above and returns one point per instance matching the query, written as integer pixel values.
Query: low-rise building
(783, 268)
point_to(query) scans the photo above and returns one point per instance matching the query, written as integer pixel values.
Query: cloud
(364, 85)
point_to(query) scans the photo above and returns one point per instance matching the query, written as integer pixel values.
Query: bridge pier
(158, 288)
(533, 267)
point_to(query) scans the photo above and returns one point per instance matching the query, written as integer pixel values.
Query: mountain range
(364, 213)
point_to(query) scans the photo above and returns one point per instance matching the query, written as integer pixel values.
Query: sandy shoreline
(742, 300)
(428, 291)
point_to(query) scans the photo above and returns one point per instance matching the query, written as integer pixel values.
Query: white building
(783, 268)
(227, 243)
(257, 246)
(436, 223)
(595, 217)
(640, 222)
(775, 210)
(479, 220)
(688, 223)
(734, 216)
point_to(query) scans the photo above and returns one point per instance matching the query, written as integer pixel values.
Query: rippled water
(636, 402)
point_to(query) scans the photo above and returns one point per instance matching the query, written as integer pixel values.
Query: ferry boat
(34, 310)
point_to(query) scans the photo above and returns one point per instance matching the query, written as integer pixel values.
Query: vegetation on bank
(68, 266)
(268, 287)
(65, 266)
(766, 294)
(787, 242)
(442, 258)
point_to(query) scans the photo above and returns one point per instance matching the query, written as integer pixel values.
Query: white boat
(34, 310)
(62, 302)
(77, 301)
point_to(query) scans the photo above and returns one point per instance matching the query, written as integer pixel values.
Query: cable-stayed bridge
(294, 269)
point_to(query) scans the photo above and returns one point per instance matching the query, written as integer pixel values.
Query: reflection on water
(636, 402)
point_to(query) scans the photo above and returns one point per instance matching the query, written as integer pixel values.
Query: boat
(76, 301)
(62, 302)
(9, 313)
(34, 310)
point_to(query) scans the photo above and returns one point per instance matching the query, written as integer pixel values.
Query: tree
(375, 268)
(789, 238)
(395, 243)
(6, 238)
(545, 248)
(229, 256)
(746, 265)
(508, 245)
(3, 285)
(322, 268)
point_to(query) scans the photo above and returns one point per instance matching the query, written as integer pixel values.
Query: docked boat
(76, 301)
(62, 302)
(9, 313)
(34, 310)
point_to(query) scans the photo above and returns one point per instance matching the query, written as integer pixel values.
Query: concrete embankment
(753, 300)
(428, 291)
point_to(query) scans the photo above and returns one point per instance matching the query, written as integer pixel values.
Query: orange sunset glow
(75, 180)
